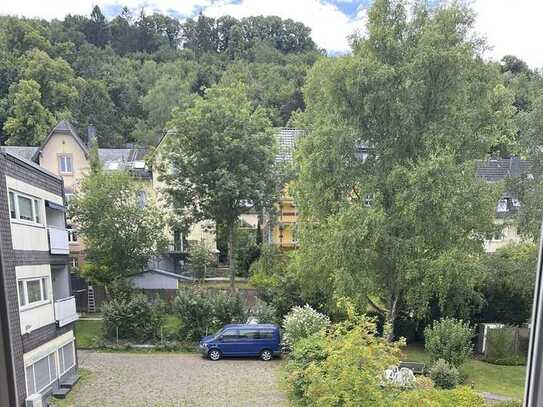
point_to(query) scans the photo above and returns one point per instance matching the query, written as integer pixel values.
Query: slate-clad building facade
(39, 310)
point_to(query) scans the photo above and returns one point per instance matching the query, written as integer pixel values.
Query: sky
(511, 27)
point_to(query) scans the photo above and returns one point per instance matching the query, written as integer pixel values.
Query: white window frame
(65, 159)
(71, 233)
(24, 294)
(37, 208)
(60, 354)
(33, 364)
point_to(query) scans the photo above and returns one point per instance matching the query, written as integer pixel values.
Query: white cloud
(511, 27)
(330, 27)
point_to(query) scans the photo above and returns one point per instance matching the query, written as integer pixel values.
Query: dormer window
(65, 164)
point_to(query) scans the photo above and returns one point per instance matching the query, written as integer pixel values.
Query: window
(294, 234)
(230, 335)
(75, 262)
(12, 213)
(66, 357)
(22, 297)
(249, 334)
(65, 164)
(268, 334)
(368, 200)
(33, 291)
(72, 234)
(26, 208)
(41, 374)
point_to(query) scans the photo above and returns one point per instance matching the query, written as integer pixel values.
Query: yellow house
(283, 228)
(66, 154)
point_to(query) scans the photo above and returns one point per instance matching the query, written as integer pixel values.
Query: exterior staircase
(66, 385)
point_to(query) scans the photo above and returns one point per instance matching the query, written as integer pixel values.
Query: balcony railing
(58, 241)
(65, 311)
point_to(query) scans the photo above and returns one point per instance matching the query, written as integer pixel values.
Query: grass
(84, 375)
(485, 377)
(88, 334)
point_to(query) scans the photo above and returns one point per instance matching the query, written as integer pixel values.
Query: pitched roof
(63, 127)
(32, 164)
(496, 170)
(23, 152)
(132, 159)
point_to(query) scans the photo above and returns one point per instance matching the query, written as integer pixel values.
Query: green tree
(200, 259)
(405, 220)
(221, 159)
(56, 79)
(29, 121)
(508, 284)
(97, 30)
(120, 234)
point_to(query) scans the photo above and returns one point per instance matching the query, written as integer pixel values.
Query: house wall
(61, 143)
(509, 235)
(12, 169)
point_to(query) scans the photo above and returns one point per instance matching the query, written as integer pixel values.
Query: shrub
(459, 397)
(135, 318)
(227, 309)
(449, 339)
(444, 375)
(301, 322)
(195, 312)
(344, 367)
(264, 313)
(202, 313)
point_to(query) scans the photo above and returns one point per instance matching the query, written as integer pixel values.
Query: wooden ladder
(91, 301)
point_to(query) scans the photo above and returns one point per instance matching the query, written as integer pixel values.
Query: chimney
(91, 137)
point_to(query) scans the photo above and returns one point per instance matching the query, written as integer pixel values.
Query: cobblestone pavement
(172, 380)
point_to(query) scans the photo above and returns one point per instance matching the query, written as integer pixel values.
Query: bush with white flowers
(302, 322)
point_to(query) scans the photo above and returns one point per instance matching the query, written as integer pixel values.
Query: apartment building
(34, 256)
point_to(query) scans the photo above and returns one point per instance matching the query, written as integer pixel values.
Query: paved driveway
(168, 380)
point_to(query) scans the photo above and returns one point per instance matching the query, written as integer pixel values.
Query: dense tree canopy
(219, 159)
(404, 224)
(141, 67)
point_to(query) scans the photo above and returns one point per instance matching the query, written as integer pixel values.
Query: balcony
(58, 240)
(65, 311)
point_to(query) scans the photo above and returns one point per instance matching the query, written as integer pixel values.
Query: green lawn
(504, 380)
(88, 334)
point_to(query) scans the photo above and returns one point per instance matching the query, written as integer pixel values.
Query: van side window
(230, 335)
(267, 334)
(249, 334)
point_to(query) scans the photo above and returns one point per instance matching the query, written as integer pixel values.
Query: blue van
(262, 340)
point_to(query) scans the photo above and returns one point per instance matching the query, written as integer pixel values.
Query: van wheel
(266, 355)
(214, 354)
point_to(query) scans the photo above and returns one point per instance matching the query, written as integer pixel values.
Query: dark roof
(29, 163)
(23, 152)
(499, 169)
(64, 127)
(132, 159)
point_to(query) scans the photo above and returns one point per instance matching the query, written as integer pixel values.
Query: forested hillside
(126, 75)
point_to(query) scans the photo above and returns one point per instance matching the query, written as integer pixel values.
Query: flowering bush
(302, 322)
(449, 339)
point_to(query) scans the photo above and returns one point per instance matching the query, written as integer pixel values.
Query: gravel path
(172, 380)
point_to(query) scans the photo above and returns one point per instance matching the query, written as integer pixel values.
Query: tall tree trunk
(231, 266)
(391, 315)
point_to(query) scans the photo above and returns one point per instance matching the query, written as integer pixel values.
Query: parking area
(168, 380)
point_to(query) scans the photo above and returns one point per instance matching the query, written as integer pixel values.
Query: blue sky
(510, 27)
